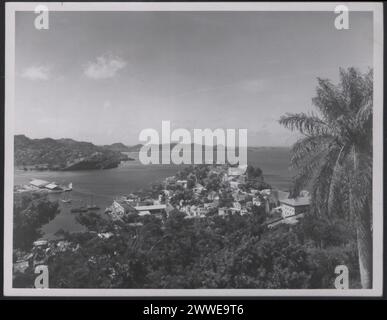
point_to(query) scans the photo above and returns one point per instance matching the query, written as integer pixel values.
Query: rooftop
(51, 186)
(38, 182)
(124, 204)
(236, 171)
(151, 207)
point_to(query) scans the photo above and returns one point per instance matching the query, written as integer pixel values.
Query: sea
(101, 187)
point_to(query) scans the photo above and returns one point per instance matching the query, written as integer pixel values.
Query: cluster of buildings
(41, 251)
(230, 196)
(222, 192)
(43, 185)
(133, 204)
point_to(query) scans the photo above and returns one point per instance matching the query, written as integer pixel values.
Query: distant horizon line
(138, 144)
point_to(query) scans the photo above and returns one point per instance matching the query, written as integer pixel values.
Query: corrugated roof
(38, 182)
(151, 207)
(125, 205)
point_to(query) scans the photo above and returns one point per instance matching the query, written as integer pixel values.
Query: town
(197, 192)
(206, 190)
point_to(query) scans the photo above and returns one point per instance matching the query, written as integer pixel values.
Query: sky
(105, 76)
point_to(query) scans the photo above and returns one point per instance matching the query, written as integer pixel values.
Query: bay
(100, 187)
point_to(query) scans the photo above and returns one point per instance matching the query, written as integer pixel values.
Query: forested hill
(120, 147)
(63, 154)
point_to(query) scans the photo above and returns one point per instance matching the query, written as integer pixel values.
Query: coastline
(130, 176)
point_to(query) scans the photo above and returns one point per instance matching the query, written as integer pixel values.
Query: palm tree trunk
(363, 234)
(364, 247)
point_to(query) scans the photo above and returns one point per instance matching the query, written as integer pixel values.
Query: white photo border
(375, 8)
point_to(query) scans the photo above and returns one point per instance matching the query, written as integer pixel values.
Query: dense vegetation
(63, 154)
(231, 252)
(118, 146)
(31, 212)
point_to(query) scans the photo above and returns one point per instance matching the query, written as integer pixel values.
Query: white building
(237, 206)
(198, 188)
(213, 196)
(223, 211)
(237, 171)
(120, 208)
(154, 208)
(291, 207)
(52, 186)
(39, 183)
(182, 183)
(257, 201)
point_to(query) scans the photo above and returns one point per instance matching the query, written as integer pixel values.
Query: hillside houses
(198, 188)
(182, 183)
(237, 171)
(213, 196)
(221, 191)
(123, 206)
(194, 211)
(120, 208)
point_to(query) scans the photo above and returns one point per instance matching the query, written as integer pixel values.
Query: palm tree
(334, 155)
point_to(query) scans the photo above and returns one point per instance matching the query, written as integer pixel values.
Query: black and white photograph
(193, 149)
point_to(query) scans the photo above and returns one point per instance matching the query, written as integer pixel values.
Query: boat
(79, 210)
(93, 207)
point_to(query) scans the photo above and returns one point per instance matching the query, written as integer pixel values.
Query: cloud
(104, 67)
(36, 73)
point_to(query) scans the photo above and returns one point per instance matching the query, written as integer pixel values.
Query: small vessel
(93, 207)
(79, 210)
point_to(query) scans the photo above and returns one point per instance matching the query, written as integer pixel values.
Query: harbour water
(102, 186)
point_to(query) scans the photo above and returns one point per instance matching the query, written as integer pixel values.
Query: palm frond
(352, 86)
(308, 147)
(365, 113)
(336, 153)
(306, 124)
(307, 171)
(330, 101)
(322, 182)
(337, 180)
